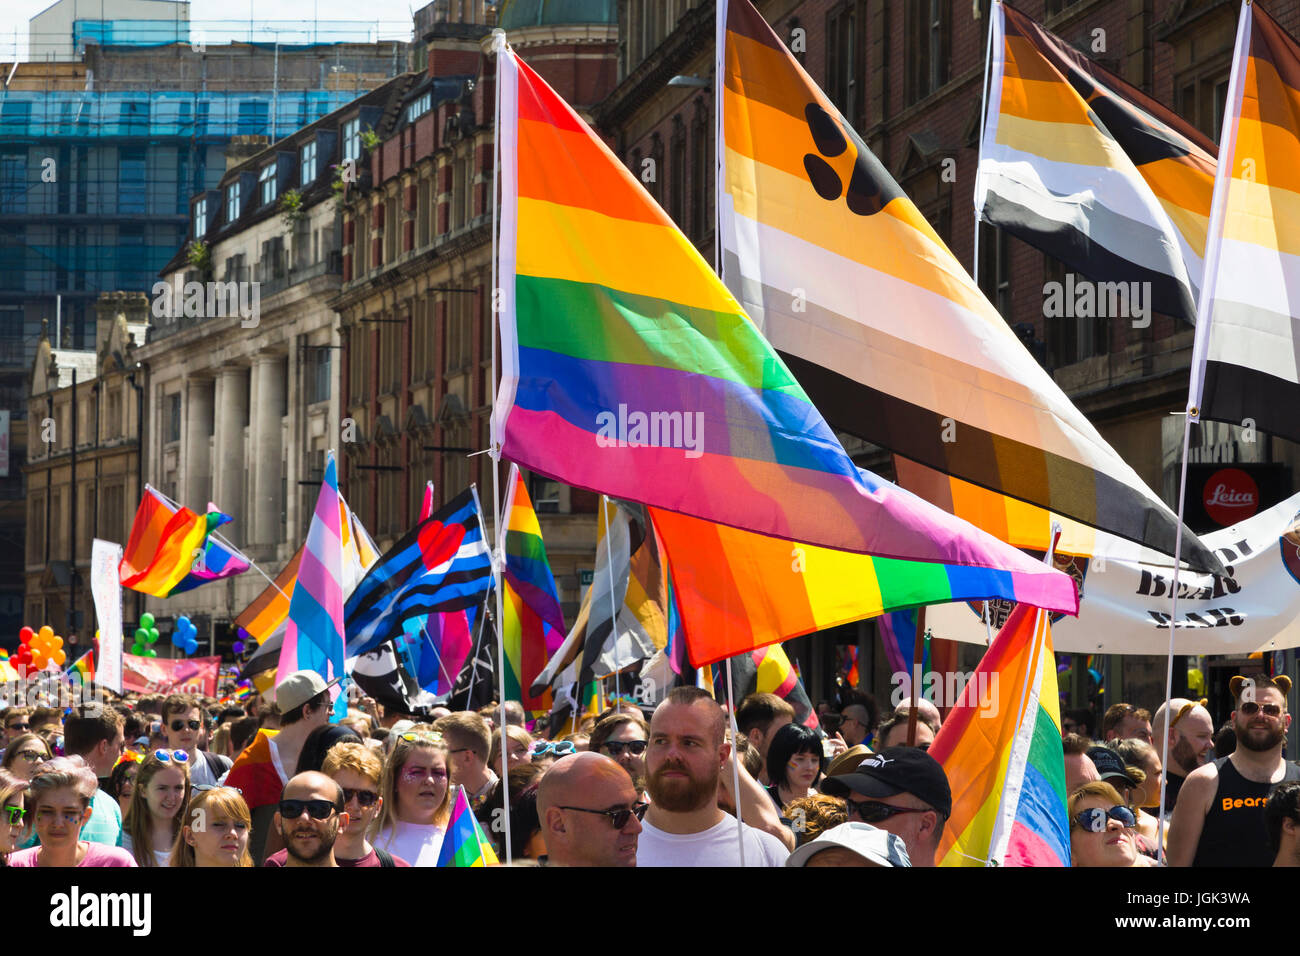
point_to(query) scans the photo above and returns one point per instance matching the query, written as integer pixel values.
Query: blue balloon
(183, 623)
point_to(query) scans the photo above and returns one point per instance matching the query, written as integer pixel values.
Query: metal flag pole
(609, 568)
(478, 644)
(918, 658)
(995, 16)
(735, 763)
(502, 52)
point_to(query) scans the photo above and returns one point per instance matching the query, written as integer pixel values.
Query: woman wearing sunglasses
(158, 807)
(417, 800)
(58, 806)
(216, 831)
(1103, 831)
(12, 814)
(25, 754)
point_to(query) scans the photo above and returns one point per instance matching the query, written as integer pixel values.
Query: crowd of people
(180, 781)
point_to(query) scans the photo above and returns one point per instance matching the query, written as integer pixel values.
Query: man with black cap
(265, 766)
(901, 790)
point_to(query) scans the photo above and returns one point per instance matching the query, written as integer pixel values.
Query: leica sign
(1230, 495)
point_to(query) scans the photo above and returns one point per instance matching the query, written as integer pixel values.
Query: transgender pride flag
(314, 637)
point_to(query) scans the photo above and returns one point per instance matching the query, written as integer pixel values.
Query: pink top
(97, 854)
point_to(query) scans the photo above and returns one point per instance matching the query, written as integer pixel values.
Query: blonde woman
(216, 830)
(416, 798)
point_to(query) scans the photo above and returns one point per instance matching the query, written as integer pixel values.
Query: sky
(392, 17)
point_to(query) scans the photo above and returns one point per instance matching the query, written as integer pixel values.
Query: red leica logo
(1230, 495)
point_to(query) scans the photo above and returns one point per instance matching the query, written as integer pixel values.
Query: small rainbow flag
(532, 627)
(85, 666)
(1001, 750)
(464, 843)
(160, 552)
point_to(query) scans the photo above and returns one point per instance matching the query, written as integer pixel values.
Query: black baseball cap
(896, 770)
(1110, 766)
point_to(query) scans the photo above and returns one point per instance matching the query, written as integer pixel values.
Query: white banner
(1126, 606)
(106, 589)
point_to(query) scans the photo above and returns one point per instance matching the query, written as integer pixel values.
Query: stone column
(231, 409)
(265, 441)
(196, 463)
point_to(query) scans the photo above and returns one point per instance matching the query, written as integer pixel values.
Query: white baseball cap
(300, 687)
(870, 843)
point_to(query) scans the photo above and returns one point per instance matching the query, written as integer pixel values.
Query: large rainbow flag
(464, 843)
(1001, 749)
(737, 590)
(1246, 362)
(652, 384)
(884, 328)
(314, 639)
(160, 552)
(532, 628)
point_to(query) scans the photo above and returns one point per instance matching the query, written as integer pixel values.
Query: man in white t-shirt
(684, 826)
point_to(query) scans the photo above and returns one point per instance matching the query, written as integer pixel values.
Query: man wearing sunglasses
(590, 813)
(17, 721)
(308, 817)
(902, 790)
(183, 725)
(1219, 820)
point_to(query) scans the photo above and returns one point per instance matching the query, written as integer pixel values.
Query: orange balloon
(38, 658)
(58, 642)
(46, 632)
(60, 658)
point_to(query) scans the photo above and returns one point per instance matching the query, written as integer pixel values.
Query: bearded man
(1219, 819)
(684, 825)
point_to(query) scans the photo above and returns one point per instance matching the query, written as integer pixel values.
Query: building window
(928, 28)
(266, 181)
(701, 164)
(842, 60)
(172, 418)
(419, 106)
(308, 162)
(1072, 339)
(459, 188)
(677, 174)
(232, 201)
(1204, 99)
(995, 267)
(130, 180)
(358, 363)
(422, 214)
(352, 139)
(36, 529)
(200, 218)
(318, 375)
(460, 335)
(13, 182)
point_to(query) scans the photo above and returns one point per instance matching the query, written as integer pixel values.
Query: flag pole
(735, 763)
(918, 657)
(995, 10)
(609, 568)
(478, 643)
(499, 50)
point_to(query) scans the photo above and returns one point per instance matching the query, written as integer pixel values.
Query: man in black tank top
(1219, 819)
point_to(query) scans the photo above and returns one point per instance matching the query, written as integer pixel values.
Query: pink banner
(159, 675)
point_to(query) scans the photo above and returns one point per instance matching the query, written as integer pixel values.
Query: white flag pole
(735, 763)
(995, 20)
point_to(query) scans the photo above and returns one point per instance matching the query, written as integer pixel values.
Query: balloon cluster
(146, 635)
(186, 635)
(38, 648)
(245, 642)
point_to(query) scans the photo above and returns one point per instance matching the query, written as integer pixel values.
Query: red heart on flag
(439, 544)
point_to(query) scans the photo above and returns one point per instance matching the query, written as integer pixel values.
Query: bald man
(1190, 729)
(925, 710)
(589, 812)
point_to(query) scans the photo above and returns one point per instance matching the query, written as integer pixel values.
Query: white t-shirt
(716, 846)
(160, 857)
(417, 843)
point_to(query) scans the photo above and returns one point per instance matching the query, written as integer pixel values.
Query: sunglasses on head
(871, 811)
(316, 809)
(178, 725)
(202, 787)
(619, 817)
(411, 737)
(547, 748)
(171, 756)
(1250, 708)
(16, 815)
(1094, 820)
(615, 748)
